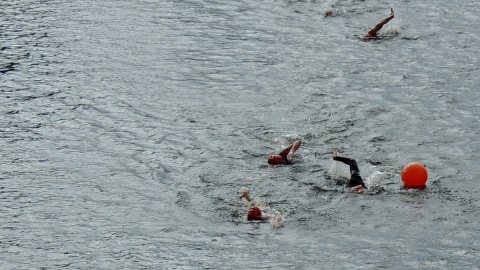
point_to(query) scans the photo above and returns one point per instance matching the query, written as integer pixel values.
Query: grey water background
(128, 127)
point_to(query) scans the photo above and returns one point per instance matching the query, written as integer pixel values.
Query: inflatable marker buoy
(414, 175)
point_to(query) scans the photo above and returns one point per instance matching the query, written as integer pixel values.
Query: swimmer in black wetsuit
(355, 178)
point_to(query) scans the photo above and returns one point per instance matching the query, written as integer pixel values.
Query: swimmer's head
(328, 12)
(254, 213)
(275, 159)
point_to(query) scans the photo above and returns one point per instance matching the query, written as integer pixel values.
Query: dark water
(128, 128)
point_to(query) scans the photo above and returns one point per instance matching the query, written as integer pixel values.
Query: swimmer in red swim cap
(256, 213)
(285, 155)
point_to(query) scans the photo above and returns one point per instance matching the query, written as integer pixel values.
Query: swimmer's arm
(245, 201)
(293, 149)
(266, 216)
(284, 152)
(373, 31)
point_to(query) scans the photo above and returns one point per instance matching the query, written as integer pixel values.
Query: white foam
(375, 178)
(339, 171)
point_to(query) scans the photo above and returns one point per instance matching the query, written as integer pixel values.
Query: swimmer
(328, 13)
(372, 33)
(356, 182)
(285, 155)
(255, 212)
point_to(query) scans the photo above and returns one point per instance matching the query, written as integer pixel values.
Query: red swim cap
(275, 159)
(254, 213)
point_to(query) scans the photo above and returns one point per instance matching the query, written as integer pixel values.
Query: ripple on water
(127, 130)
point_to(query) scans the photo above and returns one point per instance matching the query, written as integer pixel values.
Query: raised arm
(372, 33)
(293, 149)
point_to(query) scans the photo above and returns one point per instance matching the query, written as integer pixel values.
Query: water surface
(128, 128)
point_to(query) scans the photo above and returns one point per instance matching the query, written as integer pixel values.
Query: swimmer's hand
(276, 221)
(245, 193)
(293, 149)
(357, 189)
(391, 12)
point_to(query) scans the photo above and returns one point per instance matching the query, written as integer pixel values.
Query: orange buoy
(414, 175)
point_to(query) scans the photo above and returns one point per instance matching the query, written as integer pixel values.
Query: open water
(127, 129)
